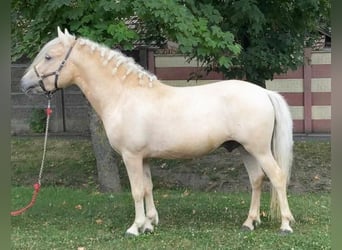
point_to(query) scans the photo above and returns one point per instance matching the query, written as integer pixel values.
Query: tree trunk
(107, 160)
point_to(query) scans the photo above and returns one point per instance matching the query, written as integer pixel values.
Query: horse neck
(101, 87)
(97, 84)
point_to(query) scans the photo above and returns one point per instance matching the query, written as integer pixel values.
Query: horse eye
(47, 57)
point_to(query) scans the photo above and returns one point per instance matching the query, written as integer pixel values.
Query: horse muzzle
(30, 87)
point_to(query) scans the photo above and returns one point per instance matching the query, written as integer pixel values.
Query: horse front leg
(134, 167)
(151, 211)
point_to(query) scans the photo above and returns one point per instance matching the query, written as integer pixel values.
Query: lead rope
(37, 185)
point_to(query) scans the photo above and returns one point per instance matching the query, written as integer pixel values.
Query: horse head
(51, 69)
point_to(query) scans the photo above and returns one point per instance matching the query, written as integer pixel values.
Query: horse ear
(66, 32)
(65, 37)
(59, 32)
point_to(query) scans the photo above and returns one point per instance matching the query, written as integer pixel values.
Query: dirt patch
(225, 172)
(70, 162)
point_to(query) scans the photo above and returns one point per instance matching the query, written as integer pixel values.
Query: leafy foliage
(251, 39)
(37, 121)
(273, 34)
(110, 22)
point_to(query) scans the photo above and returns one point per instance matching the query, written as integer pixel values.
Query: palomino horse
(145, 118)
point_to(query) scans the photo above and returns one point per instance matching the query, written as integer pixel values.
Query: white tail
(282, 143)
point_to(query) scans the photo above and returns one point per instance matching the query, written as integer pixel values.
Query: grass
(71, 214)
(69, 162)
(65, 218)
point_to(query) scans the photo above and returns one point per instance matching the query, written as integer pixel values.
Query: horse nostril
(22, 86)
(25, 87)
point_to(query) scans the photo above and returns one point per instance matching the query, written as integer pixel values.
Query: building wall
(69, 107)
(307, 90)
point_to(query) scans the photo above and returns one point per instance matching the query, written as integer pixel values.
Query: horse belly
(183, 151)
(198, 128)
(184, 142)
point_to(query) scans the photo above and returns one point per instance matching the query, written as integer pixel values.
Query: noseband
(54, 73)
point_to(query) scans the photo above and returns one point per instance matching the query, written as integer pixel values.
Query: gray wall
(70, 108)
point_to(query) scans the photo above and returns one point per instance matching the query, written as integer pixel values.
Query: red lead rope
(37, 185)
(33, 200)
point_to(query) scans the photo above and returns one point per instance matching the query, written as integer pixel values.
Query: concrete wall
(69, 107)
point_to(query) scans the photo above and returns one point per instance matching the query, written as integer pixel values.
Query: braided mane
(119, 59)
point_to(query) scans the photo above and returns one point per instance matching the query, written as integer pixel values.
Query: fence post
(307, 91)
(59, 117)
(151, 60)
(143, 57)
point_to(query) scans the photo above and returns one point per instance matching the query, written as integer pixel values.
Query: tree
(107, 160)
(242, 38)
(199, 34)
(272, 34)
(34, 22)
(250, 39)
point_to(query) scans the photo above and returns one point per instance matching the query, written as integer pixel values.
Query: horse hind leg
(278, 179)
(256, 177)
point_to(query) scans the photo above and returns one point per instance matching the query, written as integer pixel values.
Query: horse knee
(148, 187)
(279, 181)
(257, 182)
(138, 195)
(151, 212)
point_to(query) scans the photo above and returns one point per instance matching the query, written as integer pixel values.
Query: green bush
(38, 120)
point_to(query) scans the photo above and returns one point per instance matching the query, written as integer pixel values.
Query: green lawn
(71, 214)
(65, 218)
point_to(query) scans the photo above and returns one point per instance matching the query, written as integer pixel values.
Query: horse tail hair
(282, 144)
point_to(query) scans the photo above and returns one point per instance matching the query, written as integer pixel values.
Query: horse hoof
(148, 231)
(130, 235)
(285, 232)
(246, 229)
(256, 223)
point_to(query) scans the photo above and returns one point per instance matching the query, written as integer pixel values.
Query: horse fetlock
(252, 222)
(132, 231)
(285, 227)
(256, 222)
(291, 218)
(155, 221)
(150, 221)
(153, 218)
(137, 228)
(148, 227)
(248, 226)
(287, 218)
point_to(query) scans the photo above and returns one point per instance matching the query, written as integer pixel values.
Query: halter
(55, 73)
